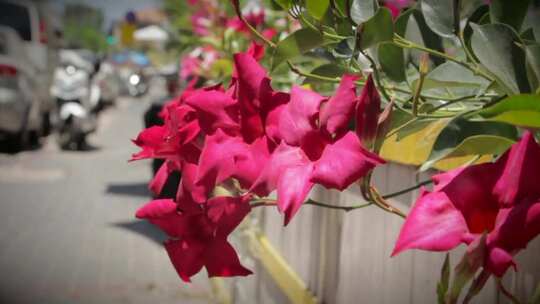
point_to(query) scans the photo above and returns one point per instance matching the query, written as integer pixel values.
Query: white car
(27, 18)
(21, 111)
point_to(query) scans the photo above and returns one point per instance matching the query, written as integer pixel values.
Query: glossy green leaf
(462, 137)
(533, 64)
(520, 110)
(475, 18)
(451, 74)
(439, 15)
(331, 70)
(317, 8)
(362, 10)
(511, 13)
(429, 38)
(285, 4)
(392, 61)
(391, 58)
(377, 29)
(296, 44)
(495, 46)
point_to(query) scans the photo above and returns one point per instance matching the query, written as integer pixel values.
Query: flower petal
(217, 161)
(519, 180)
(159, 180)
(163, 213)
(498, 261)
(433, 224)
(469, 189)
(248, 168)
(227, 212)
(282, 158)
(150, 140)
(215, 110)
(339, 109)
(367, 112)
(516, 227)
(221, 260)
(299, 116)
(188, 190)
(344, 162)
(293, 188)
(187, 256)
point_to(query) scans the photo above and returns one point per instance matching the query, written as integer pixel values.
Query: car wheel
(17, 142)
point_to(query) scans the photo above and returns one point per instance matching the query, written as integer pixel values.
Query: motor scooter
(77, 100)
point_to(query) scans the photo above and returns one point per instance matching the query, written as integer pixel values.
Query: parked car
(27, 19)
(21, 110)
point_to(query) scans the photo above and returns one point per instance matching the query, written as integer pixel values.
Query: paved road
(67, 227)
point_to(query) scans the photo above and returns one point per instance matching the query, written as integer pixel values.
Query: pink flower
(498, 198)
(395, 6)
(200, 23)
(198, 234)
(367, 112)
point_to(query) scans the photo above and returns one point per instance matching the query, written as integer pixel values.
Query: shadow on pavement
(143, 228)
(131, 189)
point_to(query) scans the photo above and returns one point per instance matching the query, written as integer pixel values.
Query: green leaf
(462, 137)
(532, 54)
(296, 44)
(481, 12)
(451, 74)
(317, 8)
(439, 15)
(285, 4)
(391, 57)
(495, 46)
(519, 110)
(392, 61)
(442, 286)
(511, 13)
(362, 10)
(429, 38)
(377, 29)
(327, 70)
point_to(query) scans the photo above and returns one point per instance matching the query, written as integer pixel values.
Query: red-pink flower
(200, 23)
(501, 199)
(198, 234)
(367, 112)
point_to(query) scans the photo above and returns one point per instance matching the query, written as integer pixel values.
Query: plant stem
(383, 204)
(400, 192)
(272, 202)
(416, 97)
(296, 70)
(404, 43)
(377, 76)
(507, 293)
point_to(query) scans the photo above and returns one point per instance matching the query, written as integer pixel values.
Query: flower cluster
(500, 200)
(260, 140)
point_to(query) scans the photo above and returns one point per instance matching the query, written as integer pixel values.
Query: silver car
(21, 112)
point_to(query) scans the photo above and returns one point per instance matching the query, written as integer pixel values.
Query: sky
(112, 9)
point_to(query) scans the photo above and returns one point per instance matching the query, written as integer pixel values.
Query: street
(68, 233)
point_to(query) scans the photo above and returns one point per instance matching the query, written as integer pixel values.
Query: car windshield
(17, 17)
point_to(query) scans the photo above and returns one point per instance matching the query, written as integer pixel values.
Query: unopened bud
(424, 64)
